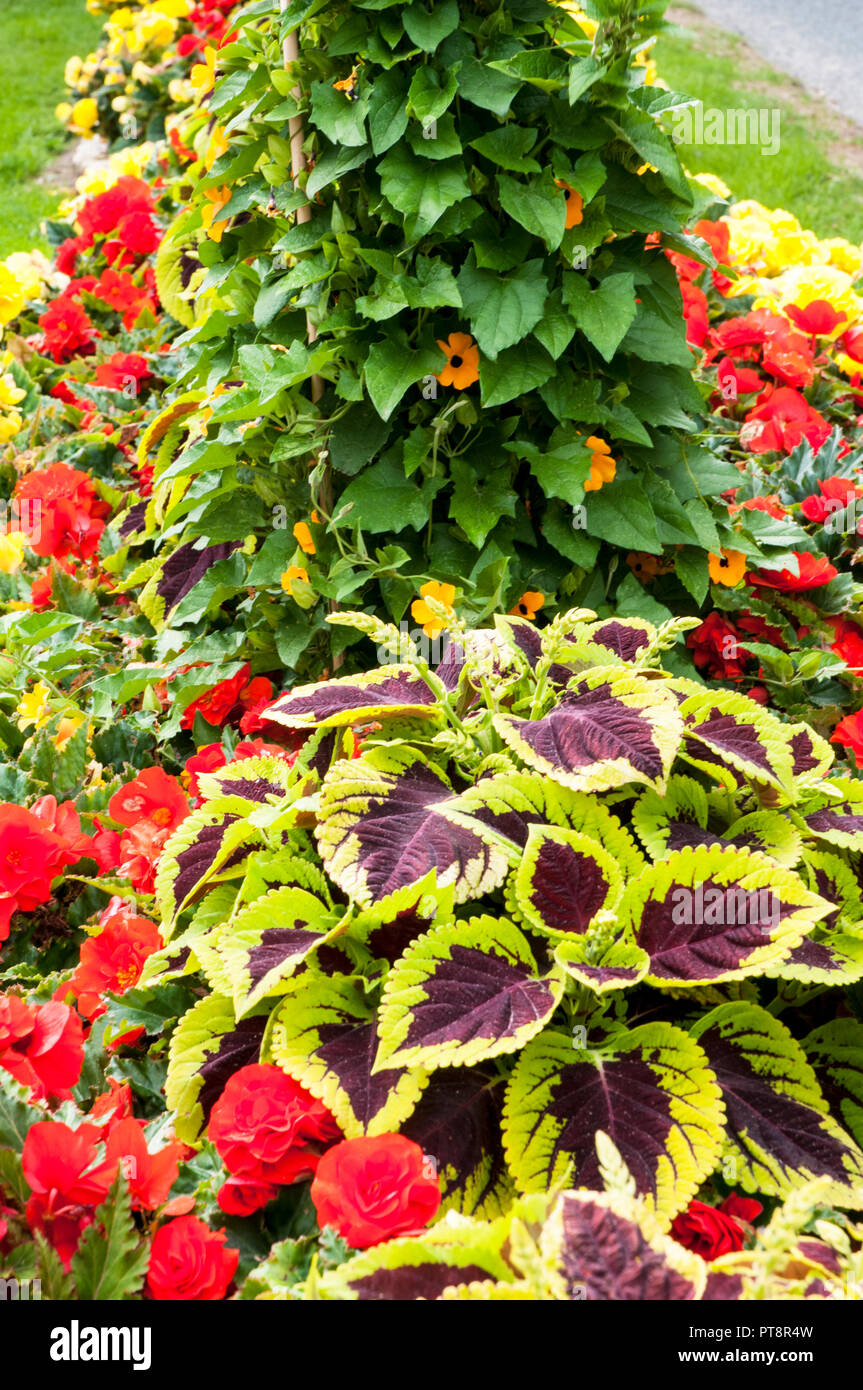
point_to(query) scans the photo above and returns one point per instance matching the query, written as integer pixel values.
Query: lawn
(806, 175)
(35, 41)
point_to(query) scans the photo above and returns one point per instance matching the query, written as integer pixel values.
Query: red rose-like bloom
(780, 420)
(715, 650)
(31, 855)
(741, 1208)
(707, 1231)
(848, 643)
(216, 704)
(372, 1189)
(814, 571)
(67, 330)
(836, 493)
(118, 290)
(737, 381)
(849, 734)
(103, 213)
(189, 1262)
(136, 235)
(818, 319)
(150, 1176)
(112, 960)
(267, 1126)
(122, 370)
(61, 1167)
(152, 796)
(244, 1196)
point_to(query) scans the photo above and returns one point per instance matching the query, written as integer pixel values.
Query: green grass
(36, 38)
(719, 70)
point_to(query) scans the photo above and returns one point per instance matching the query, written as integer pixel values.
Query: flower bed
(337, 945)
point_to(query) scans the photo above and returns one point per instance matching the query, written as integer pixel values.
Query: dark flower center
(456, 360)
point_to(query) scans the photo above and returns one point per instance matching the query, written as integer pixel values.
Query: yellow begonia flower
(432, 625)
(712, 182)
(12, 551)
(10, 394)
(802, 284)
(65, 729)
(843, 255)
(32, 708)
(216, 148)
(29, 270)
(203, 75)
(11, 295)
(85, 114)
(9, 426)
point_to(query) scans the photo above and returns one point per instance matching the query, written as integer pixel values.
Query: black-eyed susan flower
(728, 567)
(574, 204)
(528, 605)
(602, 466)
(462, 366)
(432, 625)
(348, 86)
(303, 538)
(291, 574)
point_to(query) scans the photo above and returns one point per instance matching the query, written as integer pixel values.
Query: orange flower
(644, 565)
(303, 537)
(462, 368)
(574, 204)
(347, 85)
(728, 567)
(433, 626)
(217, 198)
(291, 573)
(602, 466)
(528, 605)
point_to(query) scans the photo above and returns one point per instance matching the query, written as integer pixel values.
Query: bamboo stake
(291, 54)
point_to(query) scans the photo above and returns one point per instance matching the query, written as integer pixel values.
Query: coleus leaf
(267, 940)
(389, 691)
(835, 813)
(685, 816)
(457, 1123)
(729, 729)
(601, 1248)
(648, 1088)
(422, 1267)
(464, 992)
(510, 804)
(324, 1033)
(833, 953)
(388, 818)
(242, 786)
(564, 880)
(834, 880)
(835, 1052)
(206, 846)
(606, 730)
(778, 1128)
(710, 914)
(207, 1047)
(627, 638)
(811, 755)
(602, 966)
(388, 927)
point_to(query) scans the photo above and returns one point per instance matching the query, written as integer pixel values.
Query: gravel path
(820, 42)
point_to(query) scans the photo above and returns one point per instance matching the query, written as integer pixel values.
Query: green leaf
(427, 96)
(514, 372)
(508, 146)
(392, 367)
(537, 205)
(479, 501)
(429, 28)
(383, 499)
(388, 115)
(603, 314)
(110, 1263)
(621, 513)
(502, 308)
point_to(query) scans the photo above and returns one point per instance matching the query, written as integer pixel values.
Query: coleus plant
(538, 898)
